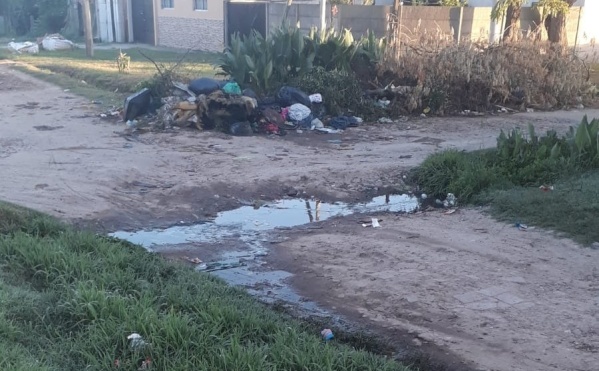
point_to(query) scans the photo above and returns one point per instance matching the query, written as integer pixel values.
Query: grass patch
(68, 300)
(508, 178)
(571, 208)
(101, 75)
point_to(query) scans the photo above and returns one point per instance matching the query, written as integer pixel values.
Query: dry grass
(595, 73)
(452, 77)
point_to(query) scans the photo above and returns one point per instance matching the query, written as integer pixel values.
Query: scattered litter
(385, 120)
(546, 188)
(25, 47)
(137, 104)
(181, 86)
(132, 123)
(450, 200)
(383, 103)
(204, 85)
(522, 227)
(317, 124)
(241, 129)
(327, 334)
(423, 196)
(56, 42)
(137, 342)
(146, 364)
(218, 266)
(343, 122)
(374, 223)
(299, 112)
(232, 88)
(530, 110)
(193, 260)
(449, 212)
(328, 130)
(315, 98)
(288, 96)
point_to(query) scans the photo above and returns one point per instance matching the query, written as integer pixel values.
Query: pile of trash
(208, 104)
(49, 42)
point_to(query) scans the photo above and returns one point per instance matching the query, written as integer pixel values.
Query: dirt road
(501, 299)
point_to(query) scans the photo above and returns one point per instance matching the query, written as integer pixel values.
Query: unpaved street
(498, 298)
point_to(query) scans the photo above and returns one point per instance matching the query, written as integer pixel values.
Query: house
(124, 21)
(195, 24)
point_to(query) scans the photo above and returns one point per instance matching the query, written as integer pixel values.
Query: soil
(461, 284)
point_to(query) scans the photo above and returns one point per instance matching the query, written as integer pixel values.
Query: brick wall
(185, 33)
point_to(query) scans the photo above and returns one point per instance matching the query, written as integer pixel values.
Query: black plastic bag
(204, 85)
(241, 129)
(288, 96)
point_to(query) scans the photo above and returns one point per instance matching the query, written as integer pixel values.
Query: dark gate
(143, 21)
(245, 17)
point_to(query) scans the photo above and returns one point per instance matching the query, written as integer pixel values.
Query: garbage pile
(208, 104)
(49, 42)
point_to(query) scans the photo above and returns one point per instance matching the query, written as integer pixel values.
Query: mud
(460, 284)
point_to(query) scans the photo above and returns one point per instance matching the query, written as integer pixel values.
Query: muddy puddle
(251, 227)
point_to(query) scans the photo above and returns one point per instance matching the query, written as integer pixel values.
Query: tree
(87, 25)
(511, 9)
(556, 12)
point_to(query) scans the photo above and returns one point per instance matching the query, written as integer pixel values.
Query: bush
(266, 63)
(340, 90)
(452, 77)
(518, 160)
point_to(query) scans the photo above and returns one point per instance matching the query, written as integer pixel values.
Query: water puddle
(280, 214)
(251, 226)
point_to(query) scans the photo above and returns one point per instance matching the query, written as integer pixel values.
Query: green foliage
(69, 299)
(454, 3)
(333, 50)
(264, 64)
(500, 8)
(571, 208)
(554, 7)
(340, 90)
(519, 159)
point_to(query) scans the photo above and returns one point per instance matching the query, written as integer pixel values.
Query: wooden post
(460, 24)
(323, 15)
(87, 25)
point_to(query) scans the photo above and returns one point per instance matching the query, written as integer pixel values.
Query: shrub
(477, 76)
(519, 159)
(340, 90)
(265, 63)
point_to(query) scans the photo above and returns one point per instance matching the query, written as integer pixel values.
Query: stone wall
(191, 33)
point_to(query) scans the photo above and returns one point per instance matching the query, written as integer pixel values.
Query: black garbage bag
(137, 104)
(343, 122)
(249, 93)
(204, 85)
(241, 129)
(288, 96)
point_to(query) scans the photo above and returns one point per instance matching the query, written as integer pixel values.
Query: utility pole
(87, 25)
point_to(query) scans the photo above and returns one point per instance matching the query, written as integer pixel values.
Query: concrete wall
(183, 27)
(360, 19)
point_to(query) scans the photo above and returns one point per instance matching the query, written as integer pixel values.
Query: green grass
(508, 179)
(68, 300)
(102, 80)
(571, 208)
